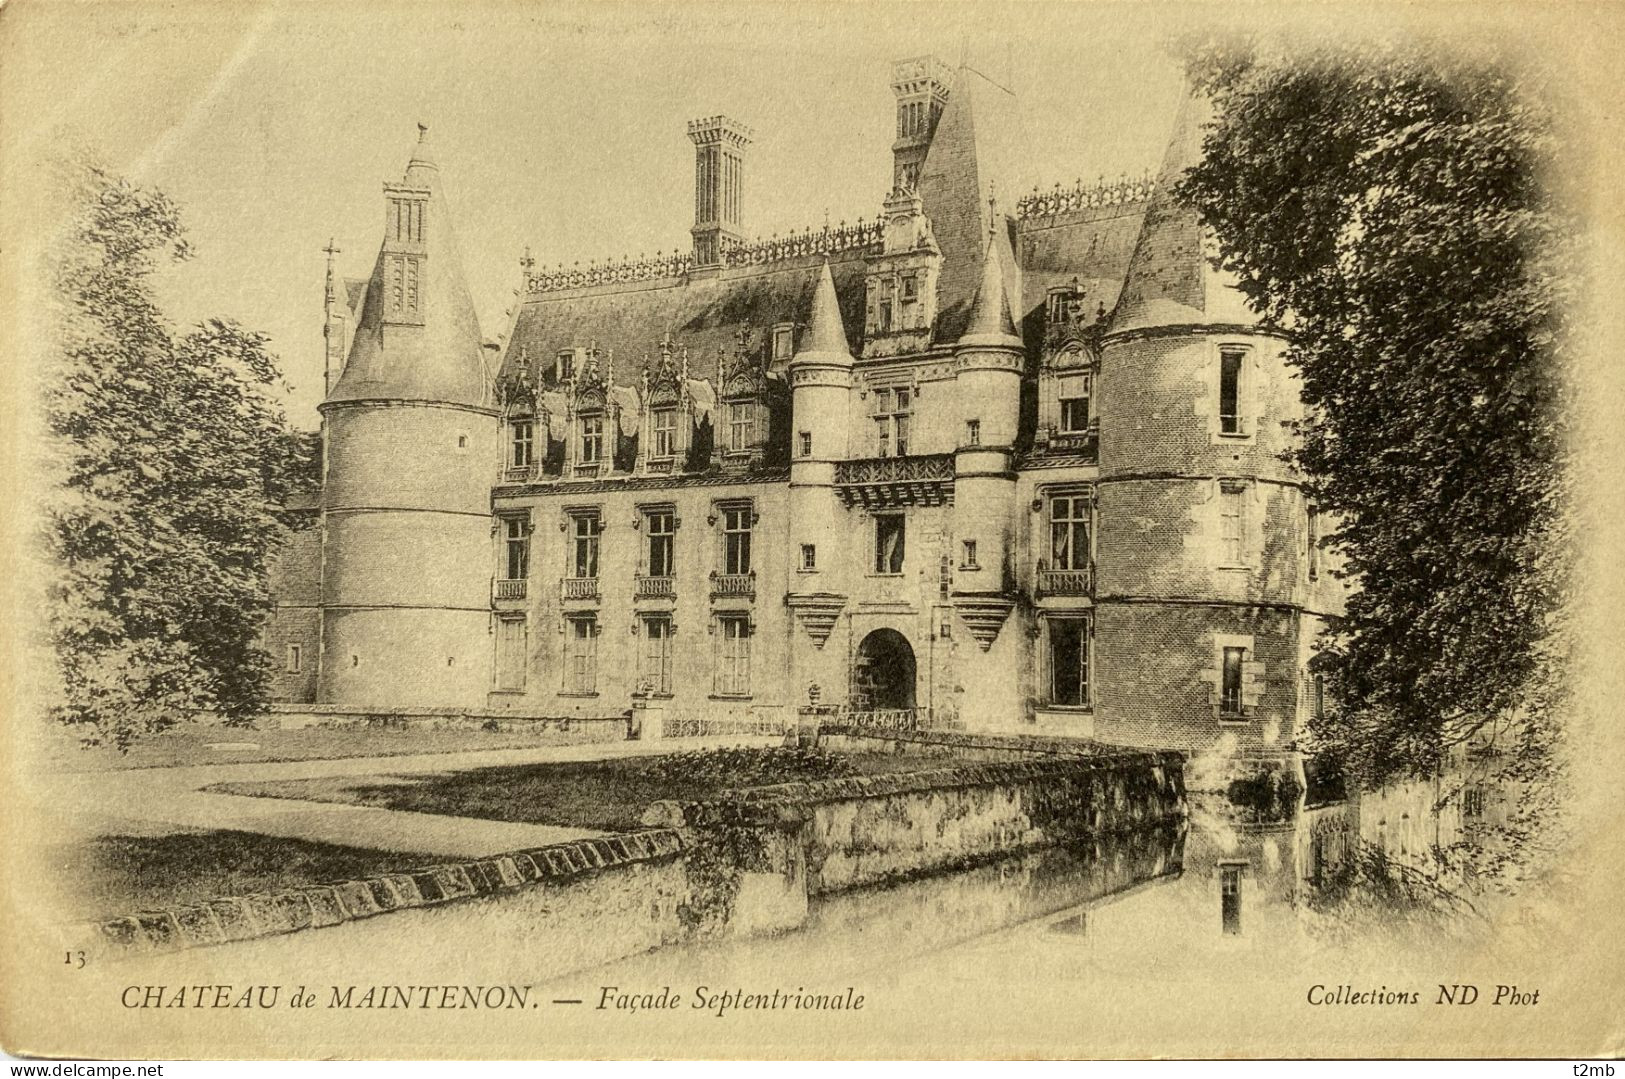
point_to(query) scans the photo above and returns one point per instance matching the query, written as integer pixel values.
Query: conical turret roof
(1170, 281)
(825, 341)
(990, 324)
(437, 356)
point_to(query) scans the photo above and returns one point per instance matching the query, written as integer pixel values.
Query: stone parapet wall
(242, 918)
(848, 832)
(565, 730)
(964, 745)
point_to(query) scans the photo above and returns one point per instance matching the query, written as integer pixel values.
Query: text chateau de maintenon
(1015, 471)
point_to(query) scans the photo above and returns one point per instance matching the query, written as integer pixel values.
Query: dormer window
(1074, 393)
(665, 432)
(784, 341)
(522, 443)
(566, 365)
(883, 311)
(741, 425)
(592, 439)
(910, 298)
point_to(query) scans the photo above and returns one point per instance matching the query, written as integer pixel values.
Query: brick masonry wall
(1157, 676)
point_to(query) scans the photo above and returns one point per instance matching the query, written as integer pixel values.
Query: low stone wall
(250, 917)
(964, 745)
(843, 833)
(568, 730)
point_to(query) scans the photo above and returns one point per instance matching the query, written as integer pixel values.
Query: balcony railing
(518, 473)
(1065, 582)
(890, 719)
(733, 584)
(656, 587)
(511, 589)
(921, 480)
(579, 587)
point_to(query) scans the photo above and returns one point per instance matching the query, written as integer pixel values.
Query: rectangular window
(736, 526)
(1230, 361)
(581, 656)
(809, 557)
(1069, 532)
(662, 543)
(516, 543)
(884, 309)
(566, 366)
(1069, 661)
(889, 536)
(1230, 899)
(1232, 524)
(784, 341)
(967, 558)
(592, 439)
(1074, 404)
(1312, 538)
(665, 433)
(741, 420)
(586, 528)
(510, 672)
(1320, 696)
(296, 658)
(523, 444)
(806, 443)
(973, 432)
(733, 659)
(893, 408)
(655, 672)
(1230, 702)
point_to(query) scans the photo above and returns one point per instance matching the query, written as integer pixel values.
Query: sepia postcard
(768, 531)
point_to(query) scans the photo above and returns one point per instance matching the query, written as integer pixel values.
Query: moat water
(1182, 902)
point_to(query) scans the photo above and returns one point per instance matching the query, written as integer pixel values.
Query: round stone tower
(412, 437)
(821, 394)
(1199, 636)
(988, 365)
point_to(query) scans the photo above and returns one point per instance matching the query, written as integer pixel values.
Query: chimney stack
(719, 180)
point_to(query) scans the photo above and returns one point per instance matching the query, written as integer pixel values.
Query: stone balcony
(518, 473)
(578, 588)
(1065, 582)
(877, 482)
(511, 589)
(655, 587)
(733, 585)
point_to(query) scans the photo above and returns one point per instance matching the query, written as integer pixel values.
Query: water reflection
(1173, 900)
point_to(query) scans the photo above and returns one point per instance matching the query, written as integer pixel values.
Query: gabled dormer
(666, 426)
(745, 421)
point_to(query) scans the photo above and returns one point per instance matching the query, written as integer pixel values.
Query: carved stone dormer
(1074, 322)
(743, 414)
(591, 426)
(667, 422)
(901, 284)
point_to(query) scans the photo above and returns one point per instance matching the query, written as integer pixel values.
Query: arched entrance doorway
(883, 672)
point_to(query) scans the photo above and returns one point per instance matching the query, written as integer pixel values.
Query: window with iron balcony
(1067, 570)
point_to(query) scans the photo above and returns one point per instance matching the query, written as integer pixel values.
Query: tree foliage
(1389, 207)
(169, 462)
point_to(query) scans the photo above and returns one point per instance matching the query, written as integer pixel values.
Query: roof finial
(423, 131)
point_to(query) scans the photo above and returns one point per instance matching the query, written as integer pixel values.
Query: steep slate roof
(1093, 246)
(442, 359)
(825, 340)
(990, 322)
(704, 314)
(1169, 281)
(962, 170)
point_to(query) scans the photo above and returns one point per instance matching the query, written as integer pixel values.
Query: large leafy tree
(1390, 206)
(168, 460)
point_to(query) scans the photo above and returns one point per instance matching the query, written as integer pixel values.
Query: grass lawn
(609, 795)
(112, 875)
(214, 744)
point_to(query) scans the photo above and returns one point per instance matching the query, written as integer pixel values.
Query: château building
(1010, 465)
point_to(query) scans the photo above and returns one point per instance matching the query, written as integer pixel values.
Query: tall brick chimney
(719, 181)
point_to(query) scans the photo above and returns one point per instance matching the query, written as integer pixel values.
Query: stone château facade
(1018, 471)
